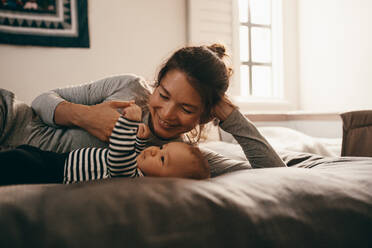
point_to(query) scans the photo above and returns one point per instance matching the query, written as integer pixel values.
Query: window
(260, 48)
(265, 74)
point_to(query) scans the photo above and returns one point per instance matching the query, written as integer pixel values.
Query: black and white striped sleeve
(140, 145)
(121, 159)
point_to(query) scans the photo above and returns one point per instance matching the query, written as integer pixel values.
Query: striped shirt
(119, 160)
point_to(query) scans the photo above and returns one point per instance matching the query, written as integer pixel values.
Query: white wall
(335, 54)
(334, 51)
(126, 36)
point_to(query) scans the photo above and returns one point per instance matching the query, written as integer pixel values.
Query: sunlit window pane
(261, 44)
(261, 81)
(244, 53)
(243, 10)
(244, 80)
(259, 25)
(260, 11)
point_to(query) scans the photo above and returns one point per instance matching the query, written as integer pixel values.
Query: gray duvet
(329, 205)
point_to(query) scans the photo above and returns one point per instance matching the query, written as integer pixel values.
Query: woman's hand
(223, 109)
(102, 118)
(99, 120)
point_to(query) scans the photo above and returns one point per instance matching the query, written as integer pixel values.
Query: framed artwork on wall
(57, 23)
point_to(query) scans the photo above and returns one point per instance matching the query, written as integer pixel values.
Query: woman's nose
(168, 111)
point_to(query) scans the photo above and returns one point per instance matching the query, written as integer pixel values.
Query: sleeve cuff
(46, 111)
(126, 123)
(231, 120)
(141, 140)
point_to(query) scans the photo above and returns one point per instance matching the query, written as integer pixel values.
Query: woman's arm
(258, 151)
(87, 106)
(98, 120)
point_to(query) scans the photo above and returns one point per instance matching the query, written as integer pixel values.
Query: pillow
(287, 139)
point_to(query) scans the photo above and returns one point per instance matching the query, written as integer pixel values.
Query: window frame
(283, 61)
(250, 63)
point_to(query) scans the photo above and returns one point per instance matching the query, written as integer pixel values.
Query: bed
(318, 201)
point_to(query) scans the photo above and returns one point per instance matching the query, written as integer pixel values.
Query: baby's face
(170, 160)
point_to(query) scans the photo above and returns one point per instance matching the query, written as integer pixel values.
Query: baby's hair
(201, 169)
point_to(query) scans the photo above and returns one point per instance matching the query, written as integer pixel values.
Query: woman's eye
(187, 111)
(162, 159)
(161, 147)
(163, 96)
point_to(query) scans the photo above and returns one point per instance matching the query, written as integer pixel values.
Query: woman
(189, 92)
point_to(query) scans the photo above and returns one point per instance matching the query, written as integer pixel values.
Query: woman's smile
(165, 124)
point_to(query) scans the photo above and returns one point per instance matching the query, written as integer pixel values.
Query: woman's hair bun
(218, 49)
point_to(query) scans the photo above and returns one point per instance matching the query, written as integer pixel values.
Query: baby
(126, 156)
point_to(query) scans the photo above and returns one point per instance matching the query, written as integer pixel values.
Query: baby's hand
(133, 112)
(143, 131)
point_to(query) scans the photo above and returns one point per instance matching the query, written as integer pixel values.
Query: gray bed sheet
(317, 202)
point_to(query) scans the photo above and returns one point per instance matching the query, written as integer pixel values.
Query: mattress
(316, 202)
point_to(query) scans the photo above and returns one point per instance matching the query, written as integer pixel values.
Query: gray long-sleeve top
(41, 131)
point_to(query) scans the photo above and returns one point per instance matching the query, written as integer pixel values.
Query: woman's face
(175, 106)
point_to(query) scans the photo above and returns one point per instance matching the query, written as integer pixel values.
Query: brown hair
(200, 169)
(207, 72)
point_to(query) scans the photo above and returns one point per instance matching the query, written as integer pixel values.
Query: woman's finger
(121, 104)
